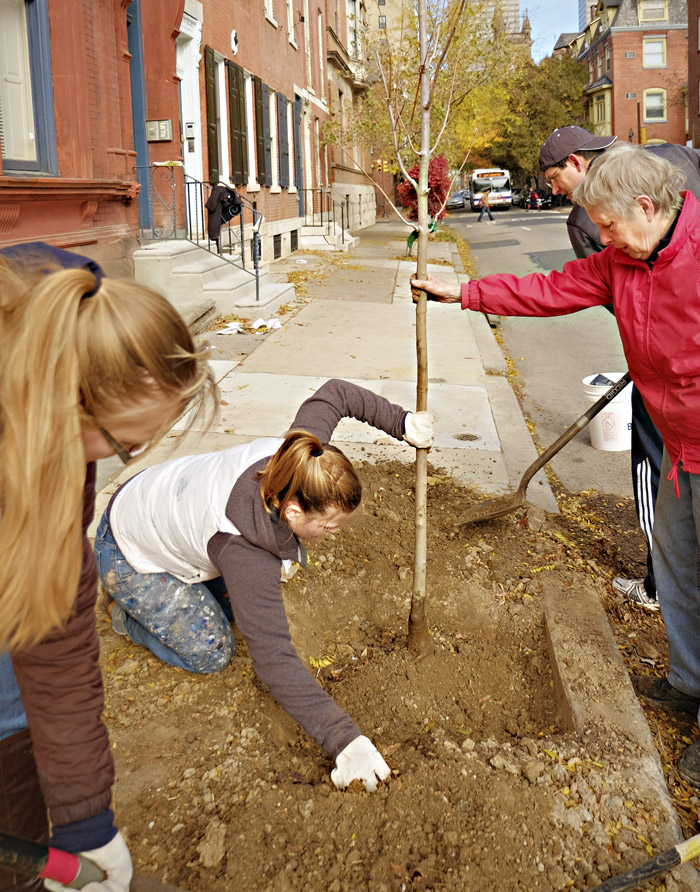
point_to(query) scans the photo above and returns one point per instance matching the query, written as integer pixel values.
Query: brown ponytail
(317, 477)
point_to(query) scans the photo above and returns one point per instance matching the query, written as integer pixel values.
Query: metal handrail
(167, 219)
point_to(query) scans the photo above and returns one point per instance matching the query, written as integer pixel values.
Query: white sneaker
(634, 591)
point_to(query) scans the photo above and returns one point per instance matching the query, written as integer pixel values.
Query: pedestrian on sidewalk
(89, 366)
(649, 271)
(486, 205)
(565, 158)
(532, 200)
(187, 546)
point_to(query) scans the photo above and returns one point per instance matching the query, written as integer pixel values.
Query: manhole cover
(468, 437)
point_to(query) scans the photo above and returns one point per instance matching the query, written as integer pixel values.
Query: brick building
(254, 108)
(77, 82)
(92, 94)
(636, 55)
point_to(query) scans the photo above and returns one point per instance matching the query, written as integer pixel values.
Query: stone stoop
(326, 238)
(203, 285)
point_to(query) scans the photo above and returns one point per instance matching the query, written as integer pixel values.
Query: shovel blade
(491, 509)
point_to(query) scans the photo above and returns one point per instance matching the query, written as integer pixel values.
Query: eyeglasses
(119, 450)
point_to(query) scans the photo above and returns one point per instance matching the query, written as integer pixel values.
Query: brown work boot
(660, 692)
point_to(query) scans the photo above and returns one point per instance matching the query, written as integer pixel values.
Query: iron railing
(323, 211)
(175, 208)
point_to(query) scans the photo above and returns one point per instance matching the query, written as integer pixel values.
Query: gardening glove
(419, 429)
(360, 760)
(114, 859)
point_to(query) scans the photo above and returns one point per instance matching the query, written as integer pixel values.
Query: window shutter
(259, 137)
(212, 115)
(266, 134)
(298, 181)
(283, 140)
(236, 110)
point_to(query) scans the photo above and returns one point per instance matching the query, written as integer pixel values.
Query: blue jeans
(183, 625)
(676, 547)
(487, 210)
(12, 717)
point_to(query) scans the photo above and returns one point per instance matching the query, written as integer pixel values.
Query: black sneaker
(661, 692)
(689, 764)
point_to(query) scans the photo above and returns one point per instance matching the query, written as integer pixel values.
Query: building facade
(78, 80)
(635, 52)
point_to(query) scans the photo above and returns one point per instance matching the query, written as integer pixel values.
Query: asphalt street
(551, 355)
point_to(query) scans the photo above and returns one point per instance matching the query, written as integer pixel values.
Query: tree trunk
(418, 635)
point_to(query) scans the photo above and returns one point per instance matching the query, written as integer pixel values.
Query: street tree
(425, 68)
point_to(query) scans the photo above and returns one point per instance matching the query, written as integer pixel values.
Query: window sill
(252, 187)
(276, 189)
(292, 42)
(272, 20)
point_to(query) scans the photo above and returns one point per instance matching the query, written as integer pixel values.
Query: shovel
(662, 863)
(75, 871)
(493, 508)
(23, 856)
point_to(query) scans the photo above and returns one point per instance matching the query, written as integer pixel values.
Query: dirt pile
(217, 786)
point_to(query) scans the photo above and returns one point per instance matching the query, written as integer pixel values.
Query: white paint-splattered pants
(181, 624)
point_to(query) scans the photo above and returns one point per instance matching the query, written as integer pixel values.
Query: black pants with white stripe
(647, 449)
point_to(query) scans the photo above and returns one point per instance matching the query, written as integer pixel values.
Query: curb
(586, 659)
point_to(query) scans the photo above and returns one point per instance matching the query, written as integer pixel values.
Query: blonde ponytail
(315, 476)
(63, 354)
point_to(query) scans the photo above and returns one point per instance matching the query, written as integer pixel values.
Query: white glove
(360, 760)
(419, 429)
(114, 859)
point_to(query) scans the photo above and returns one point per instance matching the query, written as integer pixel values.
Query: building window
(352, 27)
(699, 34)
(654, 52)
(630, 96)
(599, 66)
(269, 11)
(290, 24)
(629, 55)
(382, 23)
(654, 105)
(600, 113)
(653, 10)
(27, 131)
(607, 58)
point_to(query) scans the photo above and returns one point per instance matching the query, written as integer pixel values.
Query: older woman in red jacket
(649, 270)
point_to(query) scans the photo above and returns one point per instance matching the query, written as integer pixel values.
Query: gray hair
(623, 173)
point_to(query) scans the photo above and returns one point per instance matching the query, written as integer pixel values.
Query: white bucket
(611, 429)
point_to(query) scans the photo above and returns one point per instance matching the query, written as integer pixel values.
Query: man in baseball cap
(565, 156)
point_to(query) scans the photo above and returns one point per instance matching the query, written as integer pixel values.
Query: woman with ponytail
(187, 545)
(88, 366)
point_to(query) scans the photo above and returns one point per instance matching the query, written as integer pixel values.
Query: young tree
(427, 66)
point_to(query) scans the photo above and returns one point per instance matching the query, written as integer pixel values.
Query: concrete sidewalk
(358, 323)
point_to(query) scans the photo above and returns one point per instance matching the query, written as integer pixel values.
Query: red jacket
(657, 311)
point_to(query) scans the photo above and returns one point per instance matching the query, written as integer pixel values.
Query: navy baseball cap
(565, 141)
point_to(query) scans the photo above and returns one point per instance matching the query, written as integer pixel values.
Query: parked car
(515, 196)
(459, 200)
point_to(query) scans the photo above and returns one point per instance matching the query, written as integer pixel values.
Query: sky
(549, 19)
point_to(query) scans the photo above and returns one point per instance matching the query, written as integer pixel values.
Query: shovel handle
(574, 429)
(662, 863)
(24, 856)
